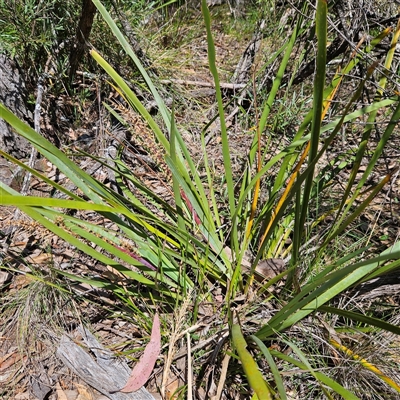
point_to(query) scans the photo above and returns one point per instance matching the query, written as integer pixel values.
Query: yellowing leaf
(250, 367)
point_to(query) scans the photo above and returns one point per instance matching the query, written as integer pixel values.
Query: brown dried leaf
(8, 360)
(270, 267)
(22, 396)
(21, 281)
(172, 387)
(71, 394)
(84, 393)
(60, 393)
(43, 258)
(171, 392)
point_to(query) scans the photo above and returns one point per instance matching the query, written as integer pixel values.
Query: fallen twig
(232, 86)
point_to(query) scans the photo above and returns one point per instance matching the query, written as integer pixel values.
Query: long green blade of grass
(272, 365)
(316, 294)
(365, 319)
(345, 393)
(224, 133)
(305, 362)
(318, 98)
(128, 50)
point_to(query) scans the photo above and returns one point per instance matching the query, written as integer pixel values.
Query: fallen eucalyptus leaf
(143, 369)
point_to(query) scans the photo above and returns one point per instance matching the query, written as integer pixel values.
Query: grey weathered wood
(13, 96)
(107, 374)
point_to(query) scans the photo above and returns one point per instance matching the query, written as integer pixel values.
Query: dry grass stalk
(178, 324)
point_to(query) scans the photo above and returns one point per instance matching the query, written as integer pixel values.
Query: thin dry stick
(189, 369)
(36, 121)
(231, 86)
(32, 158)
(203, 343)
(222, 379)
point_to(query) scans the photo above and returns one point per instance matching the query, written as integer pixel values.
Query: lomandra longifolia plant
(184, 243)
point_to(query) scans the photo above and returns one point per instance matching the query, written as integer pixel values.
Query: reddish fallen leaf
(143, 369)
